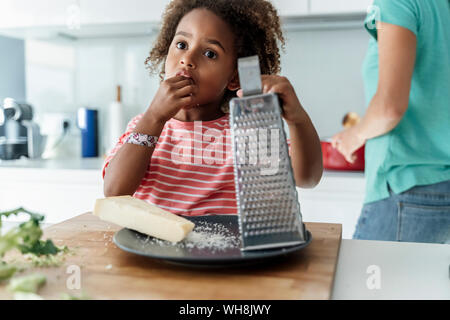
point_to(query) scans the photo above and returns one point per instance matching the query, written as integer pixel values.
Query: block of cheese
(141, 216)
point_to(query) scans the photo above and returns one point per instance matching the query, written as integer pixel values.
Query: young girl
(177, 154)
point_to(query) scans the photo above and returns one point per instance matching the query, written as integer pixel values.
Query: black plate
(138, 243)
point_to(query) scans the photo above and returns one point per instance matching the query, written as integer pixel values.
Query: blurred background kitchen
(65, 63)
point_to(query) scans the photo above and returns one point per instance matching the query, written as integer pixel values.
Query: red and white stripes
(191, 169)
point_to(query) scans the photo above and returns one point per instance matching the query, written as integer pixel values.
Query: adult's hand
(347, 142)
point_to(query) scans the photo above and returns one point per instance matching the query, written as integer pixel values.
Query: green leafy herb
(33, 215)
(29, 283)
(55, 260)
(27, 236)
(6, 271)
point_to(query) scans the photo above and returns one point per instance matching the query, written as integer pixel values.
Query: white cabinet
(121, 11)
(73, 19)
(57, 192)
(337, 199)
(70, 13)
(57, 200)
(46, 19)
(77, 13)
(33, 13)
(288, 8)
(339, 6)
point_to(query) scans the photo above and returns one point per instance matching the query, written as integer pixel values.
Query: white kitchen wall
(104, 64)
(323, 65)
(12, 68)
(50, 76)
(66, 75)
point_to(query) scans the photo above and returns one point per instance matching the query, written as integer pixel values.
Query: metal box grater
(268, 207)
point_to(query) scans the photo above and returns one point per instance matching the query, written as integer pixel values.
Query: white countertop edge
(54, 164)
(405, 270)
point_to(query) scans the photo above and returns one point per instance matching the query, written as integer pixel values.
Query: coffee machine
(19, 135)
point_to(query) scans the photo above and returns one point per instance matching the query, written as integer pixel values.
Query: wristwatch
(142, 139)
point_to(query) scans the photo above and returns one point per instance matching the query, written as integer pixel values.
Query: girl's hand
(293, 111)
(173, 94)
(347, 142)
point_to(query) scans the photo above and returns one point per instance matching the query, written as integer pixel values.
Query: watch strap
(142, 139)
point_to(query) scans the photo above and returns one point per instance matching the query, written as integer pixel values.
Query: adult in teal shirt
(407, 124)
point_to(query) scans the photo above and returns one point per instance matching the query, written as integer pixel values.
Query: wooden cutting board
(107, 272)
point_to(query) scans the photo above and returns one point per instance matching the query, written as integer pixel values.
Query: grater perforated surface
(268, 208)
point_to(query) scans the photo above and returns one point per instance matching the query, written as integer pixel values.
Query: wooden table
(106, 272)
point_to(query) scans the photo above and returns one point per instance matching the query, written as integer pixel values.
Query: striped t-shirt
(191, 169)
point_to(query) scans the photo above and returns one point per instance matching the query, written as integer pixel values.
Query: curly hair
(254, 23)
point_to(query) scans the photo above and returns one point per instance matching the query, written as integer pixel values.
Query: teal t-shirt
(417, 151)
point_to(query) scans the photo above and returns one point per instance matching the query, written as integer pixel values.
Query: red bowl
(334, 160)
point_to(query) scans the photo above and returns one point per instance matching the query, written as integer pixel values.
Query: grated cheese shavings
(210, 236)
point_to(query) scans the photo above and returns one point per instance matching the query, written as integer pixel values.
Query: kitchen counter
(406, 270)
(107, 272)
(364, 270)
(97, 164)
(79, 170)
(54, 164)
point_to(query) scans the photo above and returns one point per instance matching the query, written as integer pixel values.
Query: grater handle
(249, 76)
